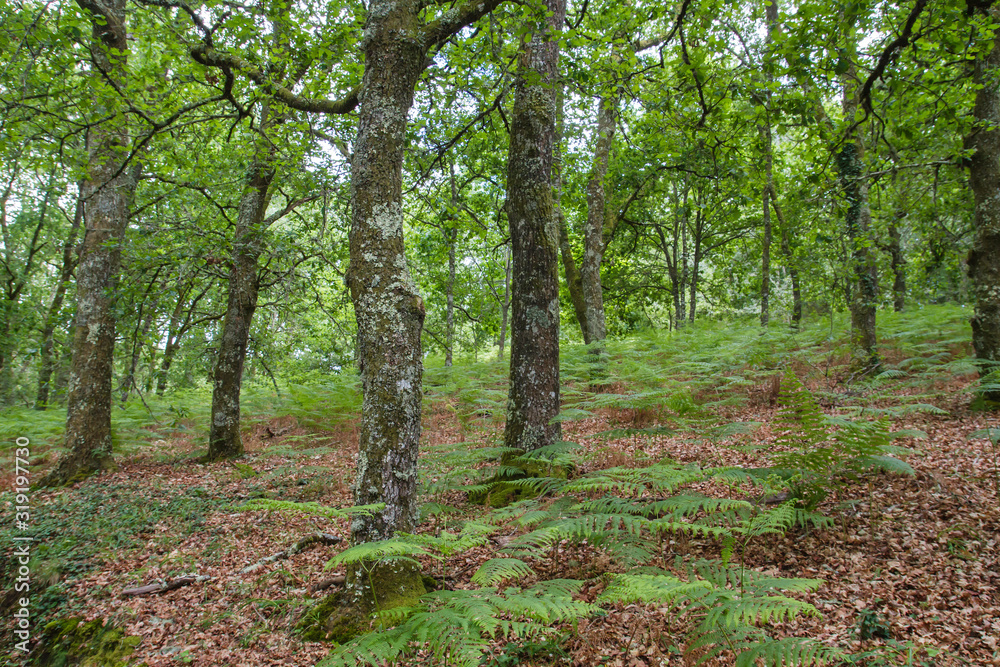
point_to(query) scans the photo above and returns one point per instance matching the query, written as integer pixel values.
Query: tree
(534, 356)
(107, 194)
(224, 439)
(984, 179)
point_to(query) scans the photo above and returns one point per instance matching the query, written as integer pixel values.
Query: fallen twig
(164, 586)
(301, 545)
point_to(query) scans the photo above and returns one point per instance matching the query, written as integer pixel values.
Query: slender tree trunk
(984, 179)
(107, 194)
(534, 358)
(46, 362)
(898, 262)
(171, 346)
(765, 263)
(597, 223)
(139, 341)
(682, 274)
(451, 234)
(786, 250)
(695, 269)
(854, 182)
(505, 306)
(771, 15)
(224, 439)
(169, 351)
(670, 257)
(574, 282)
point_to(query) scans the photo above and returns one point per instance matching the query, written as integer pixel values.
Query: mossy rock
(353, 611)
(79, 643)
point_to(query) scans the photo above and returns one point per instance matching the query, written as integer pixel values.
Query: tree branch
(890, 52)
(209, 57)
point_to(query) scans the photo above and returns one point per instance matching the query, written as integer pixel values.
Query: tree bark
(389, 311)
(505, 306)
(46, 363)
(224, 439)
(534, 360)
(682, 272)
(145, 319)
(984, 179)
(786, 250)
(854, 182)
(695, 266)
(107, 194)
(771, 15)
(765, 263)
(451, 234)
(898, 263)
(172, 345)
(574, 282)
(594, 231)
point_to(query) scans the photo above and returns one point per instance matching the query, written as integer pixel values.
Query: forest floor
(912, 560)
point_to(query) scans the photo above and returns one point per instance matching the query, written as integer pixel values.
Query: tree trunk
(682, 273)
(141, 334)
(107, 193)
(389, 312)
(898, 268)
(786, 250)
(505, 306)
(574, 282)
(224, 439)
(46, 363)
(695, 269)
(451, 235)
(765, 263)
(984, 179)
(771, 15)
(171, 346)
(854, 182)
(597, 222)
(534, 358)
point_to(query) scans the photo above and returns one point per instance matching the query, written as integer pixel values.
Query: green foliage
(75, 641)
(456, 627)
(822, 453)
(259, 504)
(728, 606)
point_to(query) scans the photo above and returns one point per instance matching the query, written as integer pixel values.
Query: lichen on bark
(533, 400)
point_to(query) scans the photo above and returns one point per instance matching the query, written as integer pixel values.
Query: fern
(826, 450)
(728, 605)
(496, 570)
(456, 627)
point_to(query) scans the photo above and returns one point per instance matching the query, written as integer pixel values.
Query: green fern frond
(368, 552)
(788, 651)
(496, 570)
(757, 610)
(648, 588)
(888, 464)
